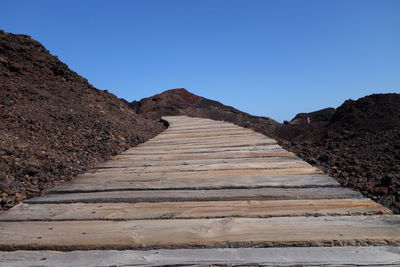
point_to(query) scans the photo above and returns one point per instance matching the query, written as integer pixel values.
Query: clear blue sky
(268, 58)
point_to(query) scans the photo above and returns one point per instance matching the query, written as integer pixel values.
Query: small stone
(32, 171)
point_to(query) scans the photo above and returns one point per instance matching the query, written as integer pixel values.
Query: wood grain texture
(186, 233)
(269, 257)
(95, 176)
(287, 181)
(200, 167)
(130, 163)
(205, 146)
(200, 156)
(198, 195)
(189, 210)
(264, 148)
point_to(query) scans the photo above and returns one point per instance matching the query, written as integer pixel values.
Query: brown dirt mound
(54, 124)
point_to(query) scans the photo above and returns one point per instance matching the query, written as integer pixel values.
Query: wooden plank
(169, 131)
(203, 127)
(126, 176)
(187, 233)
(199, 125)
(206, 133)
(188, 121)
(269, 257)
(200, 167)
(202, 146)
(206, 140)
(129, 163)
(178, 127)
(196, 142)
(198, 195)
(191, 121)
(288, 181)
(265, 148)
(199, 156)
(191, 210)
(206, 136)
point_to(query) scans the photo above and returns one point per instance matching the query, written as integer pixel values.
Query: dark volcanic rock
(181, 102)
(54, 124)
(304, 123)
(359, 146)
(316, 119)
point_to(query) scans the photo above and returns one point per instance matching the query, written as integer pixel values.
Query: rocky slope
(54, 124)
(357, 143)
(359, 146)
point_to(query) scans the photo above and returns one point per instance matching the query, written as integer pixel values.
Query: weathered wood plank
(169, 131)
(202, 146)
(293, 175)
(269, 257)
(133, 177)
(129, 163)
(90, 185)
(205, 140)
(221, 166)
(265, 148)
(203, 127)
(204, 135)
(200, 156)
(180, 128)
(186, 233)
(189, 210)
(199, 143)
(207, 134)
(198, 195)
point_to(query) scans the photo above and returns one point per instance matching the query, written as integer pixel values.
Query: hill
(182, 102)
(54, 124)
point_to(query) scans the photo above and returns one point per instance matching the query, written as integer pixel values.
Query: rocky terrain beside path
(54, 124)
(358, 143)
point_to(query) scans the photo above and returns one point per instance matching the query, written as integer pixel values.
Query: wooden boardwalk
(202, 192)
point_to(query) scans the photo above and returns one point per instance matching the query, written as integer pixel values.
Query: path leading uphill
(202, 192)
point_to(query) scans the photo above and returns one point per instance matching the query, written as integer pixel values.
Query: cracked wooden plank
(189, 210)
(189, 233)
